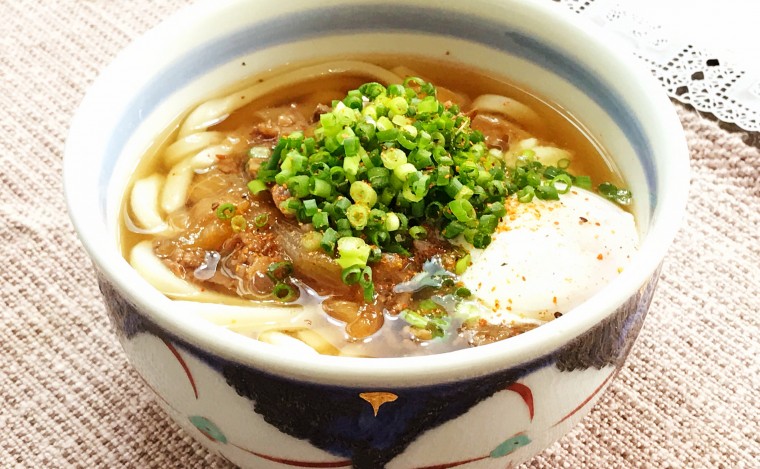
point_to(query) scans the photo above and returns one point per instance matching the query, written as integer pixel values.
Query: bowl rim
(399, 371)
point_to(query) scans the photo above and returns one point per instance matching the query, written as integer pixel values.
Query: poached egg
(548, 256)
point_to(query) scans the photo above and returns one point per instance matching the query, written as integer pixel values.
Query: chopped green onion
(429, 105)
(225, 211)
(496, 189)
(462, 264)
(351, 146)
(238, 223)
(319, 188)
(375, 255)
(363, 193)
(372, 90)
(352, 251)
(379, 237)
(351, 275)
(311, 241)
(414, 319)
(329, 238)
(398, 105)
(320, 220)
(378, 177)
(340, 207)
(261, 220)
(291, 206)
(418, 232)
(358, 216)
(526, 194)
(488, 223)
(343, 224)
(463, 210)
(351, 165)
(613, 193)
(310, 207)
(337, 175)
(433, 211)
(547, 192)
(442, 175)
(395, 90)
(393, 158)
(279, 270)
(365, 280)
(376, 218)
(392, 222)
(584, 182)
(255, 186)
(298, 186)
(404, 170)
(284, 292)
(454, 187)
(464, 193)
(497, 209)
(453, 229)
(481, 239)
(463, 292)
(387, 135)
(564, 179)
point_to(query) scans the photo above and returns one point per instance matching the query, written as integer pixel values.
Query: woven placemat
(69, 399)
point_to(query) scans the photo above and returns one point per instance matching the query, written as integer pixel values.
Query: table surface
(687, 396)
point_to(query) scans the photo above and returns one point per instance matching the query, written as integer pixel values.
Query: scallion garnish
(261, 220)
(615, 194)
(462, 264)
(418, 232)
(284, 292)
(351, 275)
(225, 211)
(279, 271)
(256, 186)
(238, 223)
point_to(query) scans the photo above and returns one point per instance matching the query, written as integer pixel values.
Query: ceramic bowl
(491, 406)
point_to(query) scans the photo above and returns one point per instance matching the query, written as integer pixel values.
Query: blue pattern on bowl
(337, 419)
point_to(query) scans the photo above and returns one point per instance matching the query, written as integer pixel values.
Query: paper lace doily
(689, 73)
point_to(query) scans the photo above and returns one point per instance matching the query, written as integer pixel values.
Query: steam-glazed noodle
(214, 111)
(240, 256)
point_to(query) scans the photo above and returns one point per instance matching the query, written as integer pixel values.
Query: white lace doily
(696, 54)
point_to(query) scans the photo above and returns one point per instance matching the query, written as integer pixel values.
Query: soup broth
(203, 224)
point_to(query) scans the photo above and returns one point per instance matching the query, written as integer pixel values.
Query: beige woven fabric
(688, 396)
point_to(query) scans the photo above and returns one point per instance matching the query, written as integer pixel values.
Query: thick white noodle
(403, 72)
(512, 109)
(216, 110)
(190, 144)
(152, 269)
(287, 343)
(144, 203)
(353, 350)
(544, 154)
(243, 318)
(550, 156)
(316, 341)
(157, 274)
(174, 195)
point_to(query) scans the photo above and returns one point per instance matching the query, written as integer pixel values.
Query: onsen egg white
(549, 256)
